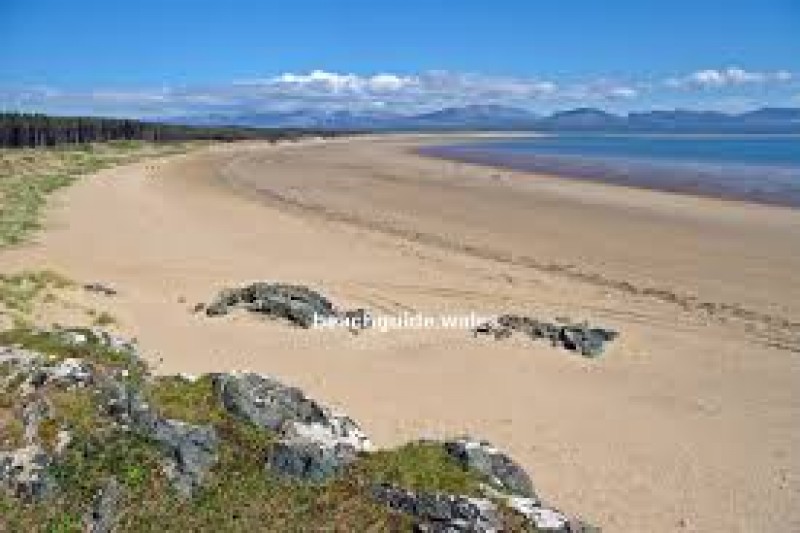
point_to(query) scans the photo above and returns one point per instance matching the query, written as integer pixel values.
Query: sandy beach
(690, 421)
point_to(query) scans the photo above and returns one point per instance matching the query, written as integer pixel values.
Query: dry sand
(689, 422)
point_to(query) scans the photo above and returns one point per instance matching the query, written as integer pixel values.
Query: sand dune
(690, 422)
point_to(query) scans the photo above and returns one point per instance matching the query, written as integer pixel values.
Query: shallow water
(763, 169)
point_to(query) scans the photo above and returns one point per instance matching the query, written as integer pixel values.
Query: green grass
(181, 399)
(51, 343)
(19, 292)
(24, 294)
(104, 319)
(238, 494)
(11, 431)
(29, 176)
(419, 466)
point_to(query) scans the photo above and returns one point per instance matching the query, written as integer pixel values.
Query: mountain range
(498, 117)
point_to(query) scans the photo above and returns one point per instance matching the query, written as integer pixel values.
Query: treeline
(24, 130)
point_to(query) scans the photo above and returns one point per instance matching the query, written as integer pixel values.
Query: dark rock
(589, 342)
(125, 404)
(100, 288)
(265, 402)
(72, 371)
(297, 294)
(308, 459)
(29, 370)
(103, 514)
(297, 304)
(502, 472)
(226, 299)
(546, 519)
(96, 336)
(32, 416)
(315, 441)
(437, 512)
(19, 358)
(189, 450)
(25, 472)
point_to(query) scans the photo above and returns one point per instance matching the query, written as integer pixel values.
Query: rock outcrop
(500, 471)
(435, 512)
(295, 303)
(315, 442)
(100, 288)
(103, 513)
(305, 440)
(581, 338)
(24, 472)
(189, 450)
(298, 304)
(450, 513)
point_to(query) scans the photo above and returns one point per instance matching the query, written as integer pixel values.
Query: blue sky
(155, 58)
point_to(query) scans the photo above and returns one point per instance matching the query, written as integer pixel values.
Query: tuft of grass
(91, 459)
(190, 401)
(419, 466)
(76, 411)
(11, 432)
(65, 523)
(19, 291)
(104, 319)
(48, 433)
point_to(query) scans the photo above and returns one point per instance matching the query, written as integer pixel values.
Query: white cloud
(135, 97)
(715, 78)
(403, 93)
(599, 90)
(623, 92)
(332, 81)
(391, 91)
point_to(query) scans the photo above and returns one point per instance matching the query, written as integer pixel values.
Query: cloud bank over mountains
(408, 93)
(728, 77)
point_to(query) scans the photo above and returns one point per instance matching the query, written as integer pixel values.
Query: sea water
(760, 168)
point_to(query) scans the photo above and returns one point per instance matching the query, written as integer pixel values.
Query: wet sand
(689, 422)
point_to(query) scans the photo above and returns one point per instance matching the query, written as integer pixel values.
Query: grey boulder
(189, 450)
(295, 303)
(102, 516)
(502, 472)
(265, 402)
(308, 459)
(588, 341)
(436, 512)
(25, 472)
(315, 441)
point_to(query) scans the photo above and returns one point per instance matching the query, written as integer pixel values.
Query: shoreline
(695, 180)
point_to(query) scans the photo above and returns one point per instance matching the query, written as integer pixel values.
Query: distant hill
(497, 117)
(581, 119)
(476, 116)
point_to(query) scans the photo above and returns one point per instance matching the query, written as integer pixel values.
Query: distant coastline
(765, 182)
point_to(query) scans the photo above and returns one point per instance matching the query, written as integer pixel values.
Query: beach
(688, 422)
